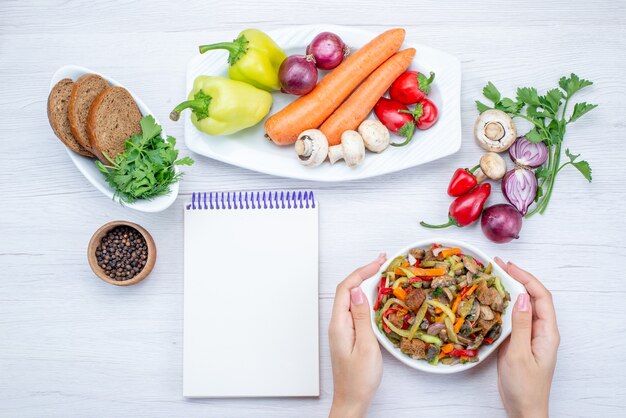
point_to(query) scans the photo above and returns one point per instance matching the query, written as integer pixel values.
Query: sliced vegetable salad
(440, 305)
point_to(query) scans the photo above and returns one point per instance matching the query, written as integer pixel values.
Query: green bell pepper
(253, 58)
(220, 106)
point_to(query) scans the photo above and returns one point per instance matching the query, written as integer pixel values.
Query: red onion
(297, 75)
(328, 50)
(528, 154)
(501, 223)
(435, 328)
(519, 186)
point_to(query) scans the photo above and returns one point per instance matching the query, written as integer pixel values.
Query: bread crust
(72, 110)
(53, 119)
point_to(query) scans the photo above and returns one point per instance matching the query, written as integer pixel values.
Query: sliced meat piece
(414, 347)
(58, 103)
(486, 325)
(498, 304)
(85, 91)
(442, 281)
(489, 296)
(395, 320)
(486, 313)
(414, 299)
(417, 253)
(470, 264)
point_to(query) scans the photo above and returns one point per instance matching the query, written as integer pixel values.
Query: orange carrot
(405, 264)
(447, 348)
(360, 103)
(458, 324)
(400, 293)
(450, 251)
(311, 110)
(469, 292)
(455, 305)
(420, 272)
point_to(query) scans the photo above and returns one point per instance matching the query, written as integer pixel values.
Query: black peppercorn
(122, 253)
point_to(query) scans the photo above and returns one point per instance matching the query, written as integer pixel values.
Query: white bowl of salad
(441, 306)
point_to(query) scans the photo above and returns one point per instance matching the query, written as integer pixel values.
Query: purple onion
(501, 223)
(328, 50)
(528, 154)
(519, 186)
(297, 75)
(433, 329)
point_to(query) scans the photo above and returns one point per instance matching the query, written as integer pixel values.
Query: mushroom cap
(375, 135)
(311, 147)
(495, 131)
(353, 148)
(493, 165)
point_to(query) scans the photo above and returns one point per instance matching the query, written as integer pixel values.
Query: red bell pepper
(464, 353)
(411, 87)
(382, 291)
(466, 209)
(488, 340)
(389, 312)
(425, 114)
(462, 181)
(396, 117)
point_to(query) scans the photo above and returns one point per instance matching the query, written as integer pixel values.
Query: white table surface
(72, 345)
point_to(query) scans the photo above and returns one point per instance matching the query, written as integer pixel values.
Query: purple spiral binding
(252, 200)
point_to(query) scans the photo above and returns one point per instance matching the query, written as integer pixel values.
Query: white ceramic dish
(249, 149)
(511, 285)
(87, 165)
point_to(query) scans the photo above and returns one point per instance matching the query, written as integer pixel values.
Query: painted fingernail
(523, 303)
(357, 296)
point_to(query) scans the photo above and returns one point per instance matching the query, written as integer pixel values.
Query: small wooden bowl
(95, 242)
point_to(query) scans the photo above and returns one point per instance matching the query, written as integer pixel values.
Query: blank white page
(251, 303)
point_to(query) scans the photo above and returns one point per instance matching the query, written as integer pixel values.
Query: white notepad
(251, 295)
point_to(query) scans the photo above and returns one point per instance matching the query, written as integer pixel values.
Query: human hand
(354, 351)
(526, 361)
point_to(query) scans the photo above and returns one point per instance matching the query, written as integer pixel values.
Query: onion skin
(297, 75)
(528, 154)
(519, 186)
(501, 223)
(328, 50)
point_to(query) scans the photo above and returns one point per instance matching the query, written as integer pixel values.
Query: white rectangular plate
(249, 149)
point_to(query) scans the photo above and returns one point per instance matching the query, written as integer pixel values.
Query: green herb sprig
(145, 169)
(547, 113)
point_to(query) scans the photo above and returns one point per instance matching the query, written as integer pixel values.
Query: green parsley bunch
(547, 113)
(145, 169)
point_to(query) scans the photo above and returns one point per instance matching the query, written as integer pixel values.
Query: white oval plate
(87, 165)
(249, 149)
(510, 284)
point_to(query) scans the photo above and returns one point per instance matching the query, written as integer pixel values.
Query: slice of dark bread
(85, 90)
(113, 118)
(58, 103)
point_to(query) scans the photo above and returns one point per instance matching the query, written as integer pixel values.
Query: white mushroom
(311, 147)
(495, 130)
(375, 135)
(492, 165)
(351, 149)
